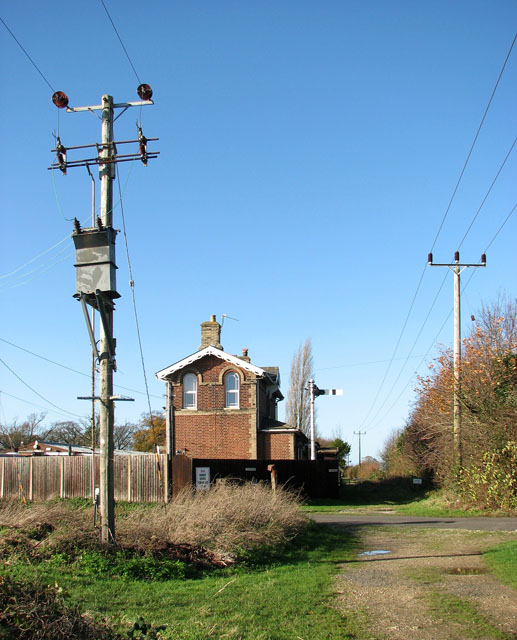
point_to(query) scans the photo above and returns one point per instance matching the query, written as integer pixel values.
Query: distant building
(222, 406)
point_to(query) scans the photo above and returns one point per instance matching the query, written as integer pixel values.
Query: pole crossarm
(116, 105)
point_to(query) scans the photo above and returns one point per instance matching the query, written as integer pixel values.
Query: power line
(120, 40)
(361, 364)
(410, 351)
(473, 143)
(424, 357)
(36, 392)
(34, 404)
(132, 285)
(441, 226)
(501, 227)
(487, 193)
(63, 366)
(28, 56)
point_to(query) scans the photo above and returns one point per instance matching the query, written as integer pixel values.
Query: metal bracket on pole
(89, 325)
(101, 304)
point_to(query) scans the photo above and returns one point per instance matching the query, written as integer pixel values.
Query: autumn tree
(488, 396)
(298, 401)
(150, 432)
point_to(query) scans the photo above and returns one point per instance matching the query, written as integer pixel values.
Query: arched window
(190, 391)
(231, 386)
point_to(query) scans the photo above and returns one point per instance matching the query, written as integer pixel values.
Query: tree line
(486, 472)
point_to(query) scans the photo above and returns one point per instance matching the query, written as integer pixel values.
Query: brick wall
(276, 446)
(211, 430)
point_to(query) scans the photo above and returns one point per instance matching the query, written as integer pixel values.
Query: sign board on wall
(202, 478)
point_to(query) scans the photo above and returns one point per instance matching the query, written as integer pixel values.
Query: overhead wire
(473, 143)
(426, 354)
(120, 40)
(487, 193)
(37, 392)
(64, 366)
(406, 360)
(132, 286)
(28, 56)
(451, 200)
(34, 404)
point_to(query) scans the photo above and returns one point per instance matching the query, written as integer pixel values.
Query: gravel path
(380, 518)
(433, 583)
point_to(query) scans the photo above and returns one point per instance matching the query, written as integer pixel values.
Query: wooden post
(2, 481)
(62, 478)
(106, 413)
(31, 479)
(272, 469)
(129, 478)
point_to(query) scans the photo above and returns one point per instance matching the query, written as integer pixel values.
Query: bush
(228, 519)
(38, 611)
(493, 484)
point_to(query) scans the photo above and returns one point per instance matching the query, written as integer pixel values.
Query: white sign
(417, 480)
(202, 478)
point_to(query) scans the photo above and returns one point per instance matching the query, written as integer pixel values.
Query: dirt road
(429, 580)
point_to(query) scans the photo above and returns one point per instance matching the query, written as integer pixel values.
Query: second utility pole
(457, 268)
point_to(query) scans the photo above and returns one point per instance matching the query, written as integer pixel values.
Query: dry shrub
(70, 526)
(35, 610)
(227, 519)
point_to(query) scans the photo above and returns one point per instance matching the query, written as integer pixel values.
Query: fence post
(31, 478)
(129, 478)
(2, 481)
(62, 478)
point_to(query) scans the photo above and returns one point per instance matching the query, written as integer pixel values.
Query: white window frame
(190, 395)
(232, 396)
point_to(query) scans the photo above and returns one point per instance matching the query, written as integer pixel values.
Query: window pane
(231, 382)
(189, 391)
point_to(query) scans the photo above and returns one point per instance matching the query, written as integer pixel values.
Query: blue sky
(308, 154)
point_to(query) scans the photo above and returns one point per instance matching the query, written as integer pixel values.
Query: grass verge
(502, 559)
(283, 595)
(372, 497)
(463, 615)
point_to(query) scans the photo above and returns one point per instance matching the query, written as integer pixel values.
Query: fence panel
(136, 477)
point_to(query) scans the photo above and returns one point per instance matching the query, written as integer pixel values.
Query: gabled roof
(210, 351)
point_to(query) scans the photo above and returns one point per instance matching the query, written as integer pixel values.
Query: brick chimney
(245, 355)
(211, 334)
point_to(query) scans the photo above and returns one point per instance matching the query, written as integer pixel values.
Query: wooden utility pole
(457, 268)
(106, 409)
(95, 274)
(359, 433)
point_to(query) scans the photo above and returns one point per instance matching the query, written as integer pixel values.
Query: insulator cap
(483, 258)
(145, 92)
(456, 256)
(430, 258)
(60, 99)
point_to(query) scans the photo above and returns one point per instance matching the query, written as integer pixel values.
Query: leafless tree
(298, 405)
(12, 436)
(123, 435)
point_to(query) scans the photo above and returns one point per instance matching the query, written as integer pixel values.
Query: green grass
(286, 595)
(399, 499)
(503, 561)
(463, 616)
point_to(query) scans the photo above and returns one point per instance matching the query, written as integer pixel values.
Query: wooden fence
(316, 479)
(138, 478)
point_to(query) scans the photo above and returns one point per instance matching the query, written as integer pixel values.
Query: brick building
(221, 406)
